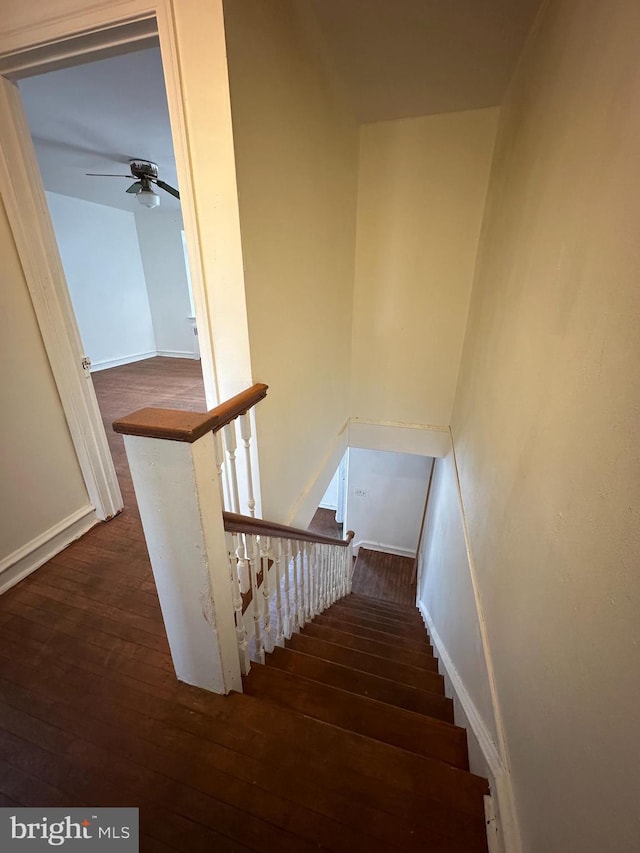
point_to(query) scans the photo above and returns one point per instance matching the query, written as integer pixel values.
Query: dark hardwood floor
(91, 713)
(168, 383)
(324, 522)
(385, 576)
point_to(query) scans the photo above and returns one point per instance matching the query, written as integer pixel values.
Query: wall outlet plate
(360, 493)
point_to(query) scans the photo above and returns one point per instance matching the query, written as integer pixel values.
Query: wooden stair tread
(402, 673)
(341, 753)
(333, 620)
(363, 683)
(406, 729)
(385, 650)
(369, 772)
(412, 619)
(381, 603)
(371, 619)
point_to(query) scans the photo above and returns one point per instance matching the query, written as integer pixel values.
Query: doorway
(26, 207)
(120, 239)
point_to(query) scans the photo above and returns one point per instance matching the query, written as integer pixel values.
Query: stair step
(284, 762)
(342, 623)
(402, 673)
(362, 683)
(410, 731)
(421, 660)
(381, 604)
(407, 627)
(411, 618)
(363, 769)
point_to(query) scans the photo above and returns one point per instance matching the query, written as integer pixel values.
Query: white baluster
(288, 626)
(316, 578)
(325, 569)
(241, 634)
(243, 565)
(313, 577)
(319, 558)
(307, 581)
(265, 553)
(278, 574)
(296, 596)
(231, 446)
(334, 572)
(349, 558)
(301, 586)
(254, 562)
(338, 572)
(245, 432)
(219, 452)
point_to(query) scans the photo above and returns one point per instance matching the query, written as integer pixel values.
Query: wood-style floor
(324, 522)
(91, 713)
(166, 383)
(385, 576)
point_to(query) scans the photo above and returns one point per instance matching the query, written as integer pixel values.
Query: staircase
(336, 731)
(367, 724)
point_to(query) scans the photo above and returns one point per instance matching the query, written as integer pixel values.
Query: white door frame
(67, 41)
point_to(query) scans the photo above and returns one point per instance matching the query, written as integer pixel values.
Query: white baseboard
(118, 362)
(175, 353)
(386, 549)
(31, 556)
(501, 822)
(322, 505)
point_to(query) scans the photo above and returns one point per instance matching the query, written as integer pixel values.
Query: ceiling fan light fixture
(148, 198)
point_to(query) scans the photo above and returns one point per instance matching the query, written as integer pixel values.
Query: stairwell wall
(546, 429)
(296, 146)
(421, 193)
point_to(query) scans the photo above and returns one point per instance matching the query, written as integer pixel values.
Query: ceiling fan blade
(134, 188)
(168, 188)
(102, 175)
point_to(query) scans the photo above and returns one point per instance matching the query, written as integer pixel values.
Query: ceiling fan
(146, 173)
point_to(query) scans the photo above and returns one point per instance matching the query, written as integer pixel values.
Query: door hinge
(86, 363)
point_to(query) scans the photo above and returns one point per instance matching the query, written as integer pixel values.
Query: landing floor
(90, 711)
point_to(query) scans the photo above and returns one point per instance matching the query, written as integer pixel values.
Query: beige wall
(446, 589)
(41, 483)
(40, 451)
(385, 499)
(296, 160)
(421, 194)
(547, 429)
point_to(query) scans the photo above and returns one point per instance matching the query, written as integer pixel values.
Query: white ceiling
(400, 58)
(394, 58)
(94, 118)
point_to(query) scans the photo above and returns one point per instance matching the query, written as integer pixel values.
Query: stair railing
(230, 586)
(290, 575)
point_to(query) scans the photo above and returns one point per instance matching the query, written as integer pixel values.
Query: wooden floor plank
(91, 712)
(384, 576)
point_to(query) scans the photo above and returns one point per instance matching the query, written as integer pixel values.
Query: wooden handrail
(235, 523)
(178, 425)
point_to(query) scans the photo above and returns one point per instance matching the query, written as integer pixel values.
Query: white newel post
(181, 510)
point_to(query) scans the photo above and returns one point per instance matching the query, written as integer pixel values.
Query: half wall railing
(231, 586)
